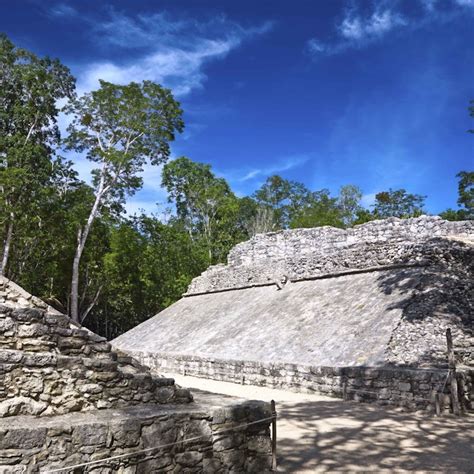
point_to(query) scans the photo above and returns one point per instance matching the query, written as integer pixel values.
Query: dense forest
(73, 244)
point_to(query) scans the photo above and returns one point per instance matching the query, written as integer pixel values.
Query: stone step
(37, 330)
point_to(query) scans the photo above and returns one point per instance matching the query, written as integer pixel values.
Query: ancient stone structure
(362, 311)
(67, 397)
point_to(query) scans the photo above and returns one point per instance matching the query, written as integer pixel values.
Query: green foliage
(398, 203)
(349, 205)
(148, 267)
(319, 209)
(466, 193)
(132, 268)
(205, 205)
(283, 197)
(465, 199)
(30, 88)
(121, 127)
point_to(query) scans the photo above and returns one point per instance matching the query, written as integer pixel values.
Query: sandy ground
(322, 434)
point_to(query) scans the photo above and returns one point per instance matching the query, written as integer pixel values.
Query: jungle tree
(120, 127)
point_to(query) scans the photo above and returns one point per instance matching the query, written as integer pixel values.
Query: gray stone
(23, 438)
(189, 458)
(21, 406)
(90, 435)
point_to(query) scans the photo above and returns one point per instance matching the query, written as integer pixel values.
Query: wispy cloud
(253, 174)
(359, 28)
(429, 5)
(168, 50)
(62, 10)
(381, 21)
(172, 51)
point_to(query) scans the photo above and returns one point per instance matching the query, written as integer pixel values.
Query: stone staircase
(49, 365)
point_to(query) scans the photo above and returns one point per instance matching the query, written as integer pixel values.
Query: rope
(134, 453)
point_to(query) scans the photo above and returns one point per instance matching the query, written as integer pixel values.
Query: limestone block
(93, 434)
(189, 459)
(404, 387)
(21, 406)
(31, 330)
(6, 324)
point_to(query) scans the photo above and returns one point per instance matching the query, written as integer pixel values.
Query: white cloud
(181, 70)
(286, 164)
(314, 46)
(429, 5)
(279, 167)
(62, 10)
(359, 28)
(173, 52)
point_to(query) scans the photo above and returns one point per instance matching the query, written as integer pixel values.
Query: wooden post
(452, 374)
(274, 436)
(344, 390)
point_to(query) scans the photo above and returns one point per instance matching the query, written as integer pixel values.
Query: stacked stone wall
(67, 398)
(297, 242)
(50, 366)
(306, 253)
(221, 442)
(406, 387)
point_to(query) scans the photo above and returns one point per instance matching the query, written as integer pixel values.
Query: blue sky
(327, 92)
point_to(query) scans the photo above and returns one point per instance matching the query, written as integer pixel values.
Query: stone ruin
(361, 312)
(67, 397)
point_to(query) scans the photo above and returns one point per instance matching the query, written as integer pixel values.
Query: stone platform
(47, 443)
(67, 397)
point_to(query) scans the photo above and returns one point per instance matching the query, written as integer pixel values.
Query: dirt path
(322, 434)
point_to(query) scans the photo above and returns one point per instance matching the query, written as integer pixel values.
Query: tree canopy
(72, 243)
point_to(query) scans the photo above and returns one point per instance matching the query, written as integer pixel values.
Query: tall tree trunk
(82, 235)
(7, 245)
(74, 303)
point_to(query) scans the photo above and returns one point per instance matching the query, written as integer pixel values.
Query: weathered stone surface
(306, 253)
(21, 406)
(291, 306)
(50, 366)
(40, 444)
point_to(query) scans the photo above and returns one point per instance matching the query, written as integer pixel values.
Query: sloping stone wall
(380, 295)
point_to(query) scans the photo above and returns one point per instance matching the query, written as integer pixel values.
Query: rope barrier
(134, 453)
